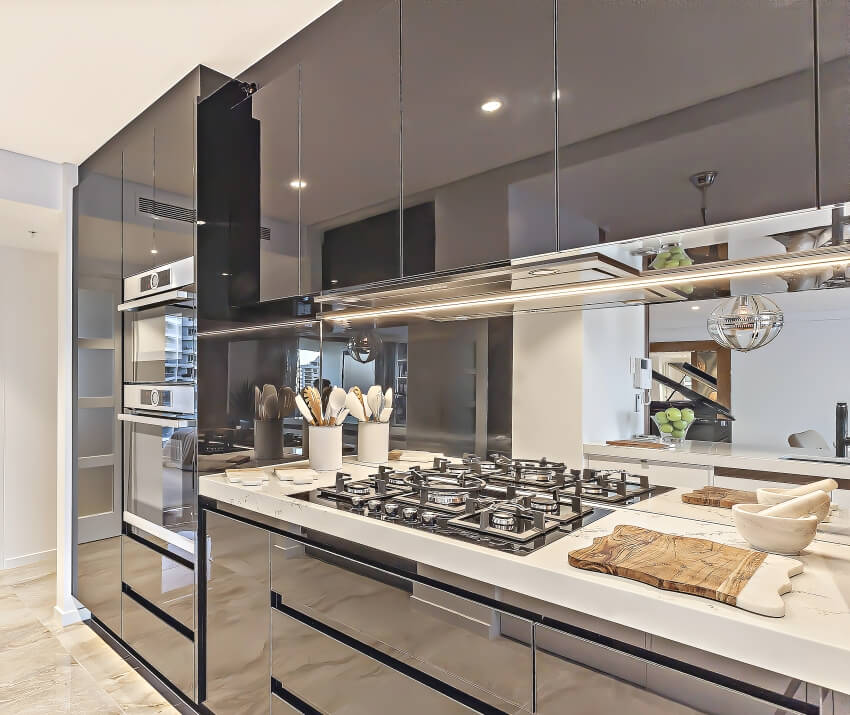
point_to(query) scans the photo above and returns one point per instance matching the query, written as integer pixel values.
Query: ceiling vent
(158, 209)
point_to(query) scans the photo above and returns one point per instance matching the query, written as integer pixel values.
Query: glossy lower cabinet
(457, 641)
(237, 617)
(333, 678)
(574, 674)
(163, 647)
(165, 582)
(99, 580)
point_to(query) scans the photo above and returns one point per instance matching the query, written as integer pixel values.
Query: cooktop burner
(610, 487)
(360, 491)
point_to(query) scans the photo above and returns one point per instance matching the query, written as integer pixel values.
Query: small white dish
(294, 474)
(774, 534)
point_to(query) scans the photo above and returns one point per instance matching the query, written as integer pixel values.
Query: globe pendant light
(365, 347)
(745, 323)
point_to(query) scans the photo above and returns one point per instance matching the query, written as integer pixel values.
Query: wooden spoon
(314, 402)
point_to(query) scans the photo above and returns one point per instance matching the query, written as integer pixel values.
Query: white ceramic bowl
(776, 534)
(771, 496)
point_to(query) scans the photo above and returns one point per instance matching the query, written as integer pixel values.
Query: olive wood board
(750, 580)
(719, 496)
(638, 443)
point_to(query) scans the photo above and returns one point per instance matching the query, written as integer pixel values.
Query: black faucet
(842, 439)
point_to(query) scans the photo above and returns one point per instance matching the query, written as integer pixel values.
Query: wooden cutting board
(638, 443)
(751, 580)
(719, 496)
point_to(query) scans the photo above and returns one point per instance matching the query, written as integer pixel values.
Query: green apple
(685, 261)
(663, 257)
(687, 289)
(678, 434)
(673, 263)
(688, 415)
(679, 424)
(673, 414)
(661, 418)
(666, 428)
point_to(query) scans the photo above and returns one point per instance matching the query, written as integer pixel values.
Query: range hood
(552, 283)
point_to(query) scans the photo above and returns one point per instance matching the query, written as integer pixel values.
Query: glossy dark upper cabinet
(652, 93)
(275, 107)
(159, 181)
(350, 185)
(479, 127)
(834, 72)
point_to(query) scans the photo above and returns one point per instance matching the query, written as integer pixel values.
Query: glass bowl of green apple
(673, 424)
(671, 256)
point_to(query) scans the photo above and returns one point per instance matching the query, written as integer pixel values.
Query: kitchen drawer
(455, 640)
(167, 650)
(667, 474)
(281, 707)
(333, 677)
(164, 582)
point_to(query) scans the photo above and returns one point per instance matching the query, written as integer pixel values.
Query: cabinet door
(276, 107)
(237, 617)
(834, 70)
(139, 250)
(653, 93)
(335, 678)
(473, 648)
(479, 127)
(350, 149)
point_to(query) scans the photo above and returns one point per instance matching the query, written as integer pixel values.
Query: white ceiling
(77, 72)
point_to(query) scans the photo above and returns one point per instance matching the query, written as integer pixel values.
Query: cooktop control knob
(391, 509)
(409, 513)
(374, 505)
(429, 518)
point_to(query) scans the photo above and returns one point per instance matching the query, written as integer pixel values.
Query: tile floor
(45, 668)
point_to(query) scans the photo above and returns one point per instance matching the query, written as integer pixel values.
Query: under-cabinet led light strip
(256, 328)
(820, 258)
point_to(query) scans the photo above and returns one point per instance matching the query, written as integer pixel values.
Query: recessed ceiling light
(694, 307)
(297, 184)
(201, 222)
(154, 251)
(225, 275)
(491, 105)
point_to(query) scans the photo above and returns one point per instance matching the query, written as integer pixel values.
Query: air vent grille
(159, 209)
(265, 233)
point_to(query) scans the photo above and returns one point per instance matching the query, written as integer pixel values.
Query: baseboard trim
(28, 559)
(75, 615)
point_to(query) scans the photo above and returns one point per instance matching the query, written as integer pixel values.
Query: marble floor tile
(45, 668)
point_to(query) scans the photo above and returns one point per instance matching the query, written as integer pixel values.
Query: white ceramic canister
(373, 442)
(325, 448)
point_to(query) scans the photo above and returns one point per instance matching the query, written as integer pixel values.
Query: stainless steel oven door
(160, 344)
(160, 494)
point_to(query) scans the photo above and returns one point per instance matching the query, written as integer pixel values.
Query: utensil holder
(373, 442)
(325, 448)
(268, 439)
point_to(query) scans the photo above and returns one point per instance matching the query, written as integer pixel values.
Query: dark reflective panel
(678, 89)
(137, 198)
(275, 107)
(350, 152)
(479, 134)
(834, 56)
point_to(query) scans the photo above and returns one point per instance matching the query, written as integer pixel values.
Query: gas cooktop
(513, 505)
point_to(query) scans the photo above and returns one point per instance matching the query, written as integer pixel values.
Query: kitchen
(537, 292)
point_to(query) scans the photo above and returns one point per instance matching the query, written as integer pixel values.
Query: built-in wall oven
(160, 405)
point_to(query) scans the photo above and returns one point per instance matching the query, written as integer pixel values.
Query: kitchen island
(571, 627)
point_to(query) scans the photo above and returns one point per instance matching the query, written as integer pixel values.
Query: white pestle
(798, 506)
(824, 485)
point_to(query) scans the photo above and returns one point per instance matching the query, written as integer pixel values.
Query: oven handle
(181, 542)
(156, 421)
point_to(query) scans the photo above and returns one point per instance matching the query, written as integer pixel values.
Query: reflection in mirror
(479, 128)
(682, 111)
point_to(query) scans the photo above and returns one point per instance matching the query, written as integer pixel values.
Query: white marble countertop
(811, 642)
(724, 454)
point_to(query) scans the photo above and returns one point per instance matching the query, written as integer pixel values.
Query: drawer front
(332, 677)
(164, 582)
(281, 707)
(170, 652)
(471, 647)
(661, 473)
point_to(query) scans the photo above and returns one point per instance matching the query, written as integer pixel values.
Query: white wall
(572, 380)
(791, 384)
(28, 387)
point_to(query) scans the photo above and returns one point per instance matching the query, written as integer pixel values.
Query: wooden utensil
(359, 395)
(314, 402)
(719, 496)
(739, 577)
